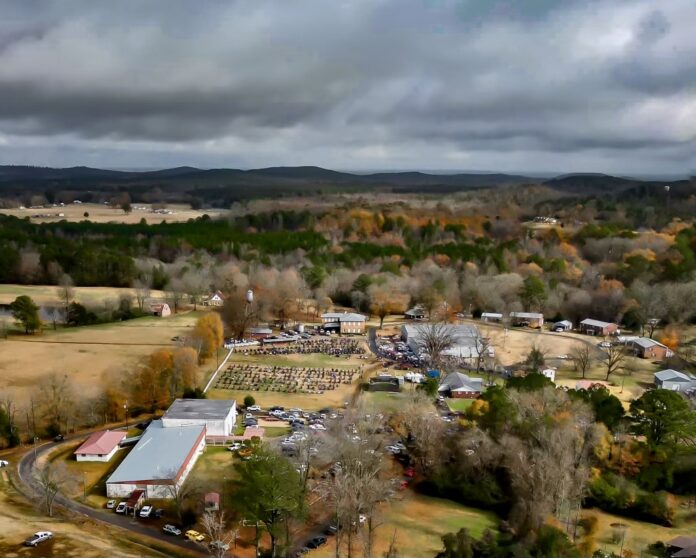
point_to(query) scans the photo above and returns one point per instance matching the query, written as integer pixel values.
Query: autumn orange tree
(208, 334)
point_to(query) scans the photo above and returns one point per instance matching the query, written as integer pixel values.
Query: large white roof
(159, 455)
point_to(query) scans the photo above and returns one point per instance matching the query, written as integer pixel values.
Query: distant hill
(226, 185)
(590, 184)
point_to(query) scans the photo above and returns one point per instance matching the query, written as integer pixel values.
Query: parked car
(332, 529)
(59, 438)
(219, 545)
(194, 536)
(145, 511)
(251, 422)
(4, 463)
(171, 530)
(236, 446)
(38, 537)
(121, 508)
(158, 513)
(316, 542)
(111, 504)
(254, 408)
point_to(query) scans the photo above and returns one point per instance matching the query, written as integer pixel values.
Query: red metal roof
(101, 443)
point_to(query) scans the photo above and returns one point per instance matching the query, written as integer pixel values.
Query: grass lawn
(275, 431)
(88, 476)
(383, 400)
(419, 522)
(639, 534)
(316, 360)
(305, 401)
(459, 405)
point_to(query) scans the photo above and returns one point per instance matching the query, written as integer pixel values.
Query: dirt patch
(100, 213)
(77, 538)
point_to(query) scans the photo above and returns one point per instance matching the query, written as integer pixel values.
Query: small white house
(550, 373)
(100, 446)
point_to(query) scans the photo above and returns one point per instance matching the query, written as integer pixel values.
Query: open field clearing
(77, 537)
(330, 398)
(101, 213)
(48, 294)
(86, 354)
(639, 533)
(419, 523)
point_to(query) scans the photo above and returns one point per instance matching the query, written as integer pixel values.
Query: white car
(171, 530)
(146, 511)
(4, 463)
(121, 508)
(38, 538)
(111, 504)
(236, 446)
(317, 427)
(254, 408)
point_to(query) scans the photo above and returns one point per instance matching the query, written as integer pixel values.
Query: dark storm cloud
(607, 85)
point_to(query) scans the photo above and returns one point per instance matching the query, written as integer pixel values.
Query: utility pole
(125, 407)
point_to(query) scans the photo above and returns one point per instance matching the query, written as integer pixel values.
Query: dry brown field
(48, 294)
(86, 354)
(100, 213)
(74, 538)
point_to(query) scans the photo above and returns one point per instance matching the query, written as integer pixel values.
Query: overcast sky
(569, 86)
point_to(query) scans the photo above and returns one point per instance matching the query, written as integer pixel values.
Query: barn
(159, 463)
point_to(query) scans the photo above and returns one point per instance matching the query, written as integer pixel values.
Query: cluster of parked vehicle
(145, 512)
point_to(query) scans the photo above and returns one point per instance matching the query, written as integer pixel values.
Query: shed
(100, 446)
(563, 325)
(491, 317)
(211, 501)
(529, 319)
(674, 380)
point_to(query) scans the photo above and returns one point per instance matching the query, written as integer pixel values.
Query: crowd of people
(333, 347)
(285, 379)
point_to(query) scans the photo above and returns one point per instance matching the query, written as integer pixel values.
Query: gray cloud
(607, 85)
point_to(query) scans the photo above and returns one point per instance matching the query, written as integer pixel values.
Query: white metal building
(159, 462)
(217, 415)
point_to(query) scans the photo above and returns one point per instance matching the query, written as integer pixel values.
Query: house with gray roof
(458, 385)
(644, 347)
(159, 463)
(597, 327)
(344, 322)
(674, 380)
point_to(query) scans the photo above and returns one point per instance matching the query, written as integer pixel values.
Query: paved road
(25, 469)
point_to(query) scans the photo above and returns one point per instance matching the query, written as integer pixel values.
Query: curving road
(31, 489)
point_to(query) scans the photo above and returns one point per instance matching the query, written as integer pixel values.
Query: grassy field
(334, 398)
(639, 534)
(48, 294)
(89, 476)
(86, 354)
(418, 522)
(459, 405)
(100, 213)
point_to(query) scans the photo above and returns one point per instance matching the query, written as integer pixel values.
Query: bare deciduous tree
(221, 537)
(66, 291)
(142, 293)
(613, 359)
(434, 340)
(180, 493)
(53, 478)
(582, 358)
